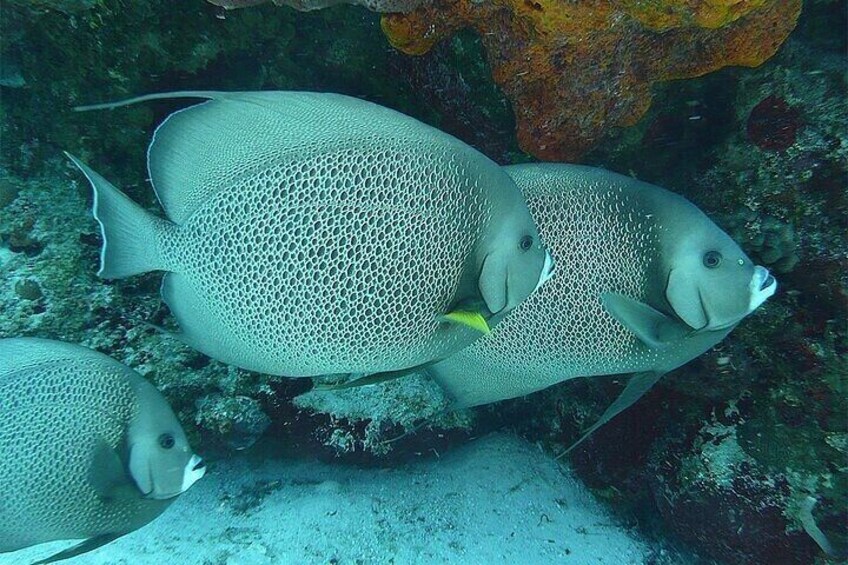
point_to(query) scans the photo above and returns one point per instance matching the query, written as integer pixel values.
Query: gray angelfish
(313, 233)
(645, 283)
(88, 448)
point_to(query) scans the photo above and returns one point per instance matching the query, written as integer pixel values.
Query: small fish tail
(130, 234)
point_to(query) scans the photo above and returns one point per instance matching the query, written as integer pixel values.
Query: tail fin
(129, 232)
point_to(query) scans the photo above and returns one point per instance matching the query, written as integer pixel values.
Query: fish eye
(526, 243)
(712, 259)
(166, 441)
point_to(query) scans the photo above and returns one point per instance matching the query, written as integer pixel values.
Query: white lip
(192, 474)
(760, 288)
(548, 269)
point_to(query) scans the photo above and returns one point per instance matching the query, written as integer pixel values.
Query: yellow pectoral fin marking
(473, 320)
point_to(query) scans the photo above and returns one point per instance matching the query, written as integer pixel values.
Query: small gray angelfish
(88, 448)
(316, 233)
(646, 282)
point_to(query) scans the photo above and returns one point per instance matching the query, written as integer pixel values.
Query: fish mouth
(762, 286)
(194, 471)
(548, 269)
(769, 280)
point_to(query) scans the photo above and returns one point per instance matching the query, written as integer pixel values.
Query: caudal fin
(129, 232)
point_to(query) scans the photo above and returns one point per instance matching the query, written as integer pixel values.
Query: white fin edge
(208, 94)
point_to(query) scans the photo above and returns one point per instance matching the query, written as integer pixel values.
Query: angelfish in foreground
(88, 448)
(645, 283)
(314, 233)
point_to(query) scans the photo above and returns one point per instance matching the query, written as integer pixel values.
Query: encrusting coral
(573, 70)
(309, 5)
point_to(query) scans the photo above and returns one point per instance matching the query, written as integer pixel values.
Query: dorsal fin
(18, 352)
(201, 149)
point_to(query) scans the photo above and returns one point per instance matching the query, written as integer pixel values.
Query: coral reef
(66, 6)
(713, 472)
(377, 424)
(157, 46)
(308, 5)
(732, 487)
(746, 443)
(48, 259)
(773, 241)
(773, 124)
(751, 435)
(237, 420)
(454, 80)
(575, 70)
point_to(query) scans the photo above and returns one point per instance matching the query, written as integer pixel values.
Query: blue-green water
(738, 456)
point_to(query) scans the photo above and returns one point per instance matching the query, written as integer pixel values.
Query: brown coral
(773, 124)
(575, 68)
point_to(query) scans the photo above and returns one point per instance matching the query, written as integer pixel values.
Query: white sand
(496, 500)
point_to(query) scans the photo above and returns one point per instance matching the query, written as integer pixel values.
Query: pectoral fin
(473, 320)
(83, 547)
(107, 474)
(139, 467)
(652, 327)
(684, 295)
(637, 386)
(493, 283)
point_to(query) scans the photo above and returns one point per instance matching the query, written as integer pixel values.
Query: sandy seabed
(498, 499)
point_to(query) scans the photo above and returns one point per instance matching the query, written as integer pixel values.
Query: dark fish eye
(712, 259)
(166, 441)
(526, 243)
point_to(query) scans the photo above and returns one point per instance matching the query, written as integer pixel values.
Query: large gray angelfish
(645, 283)
(317, 233)
(88, 448)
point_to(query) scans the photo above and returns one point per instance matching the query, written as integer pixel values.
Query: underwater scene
(424, 282)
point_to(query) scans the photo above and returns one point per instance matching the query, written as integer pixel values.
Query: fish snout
(761, 287)
(193, 472)
(548, 268)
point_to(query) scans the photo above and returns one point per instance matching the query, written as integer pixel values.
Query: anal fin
(636, 387)
(376, 378)
(83, 547)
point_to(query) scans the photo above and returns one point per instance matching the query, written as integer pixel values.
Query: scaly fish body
(79, 446)
(313, 234)
(619, 245)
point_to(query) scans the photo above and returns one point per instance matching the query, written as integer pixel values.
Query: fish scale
(617, 241)
(59, 403)
(275, 286)
(317, 233)
(48, 419)
(563, 330)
